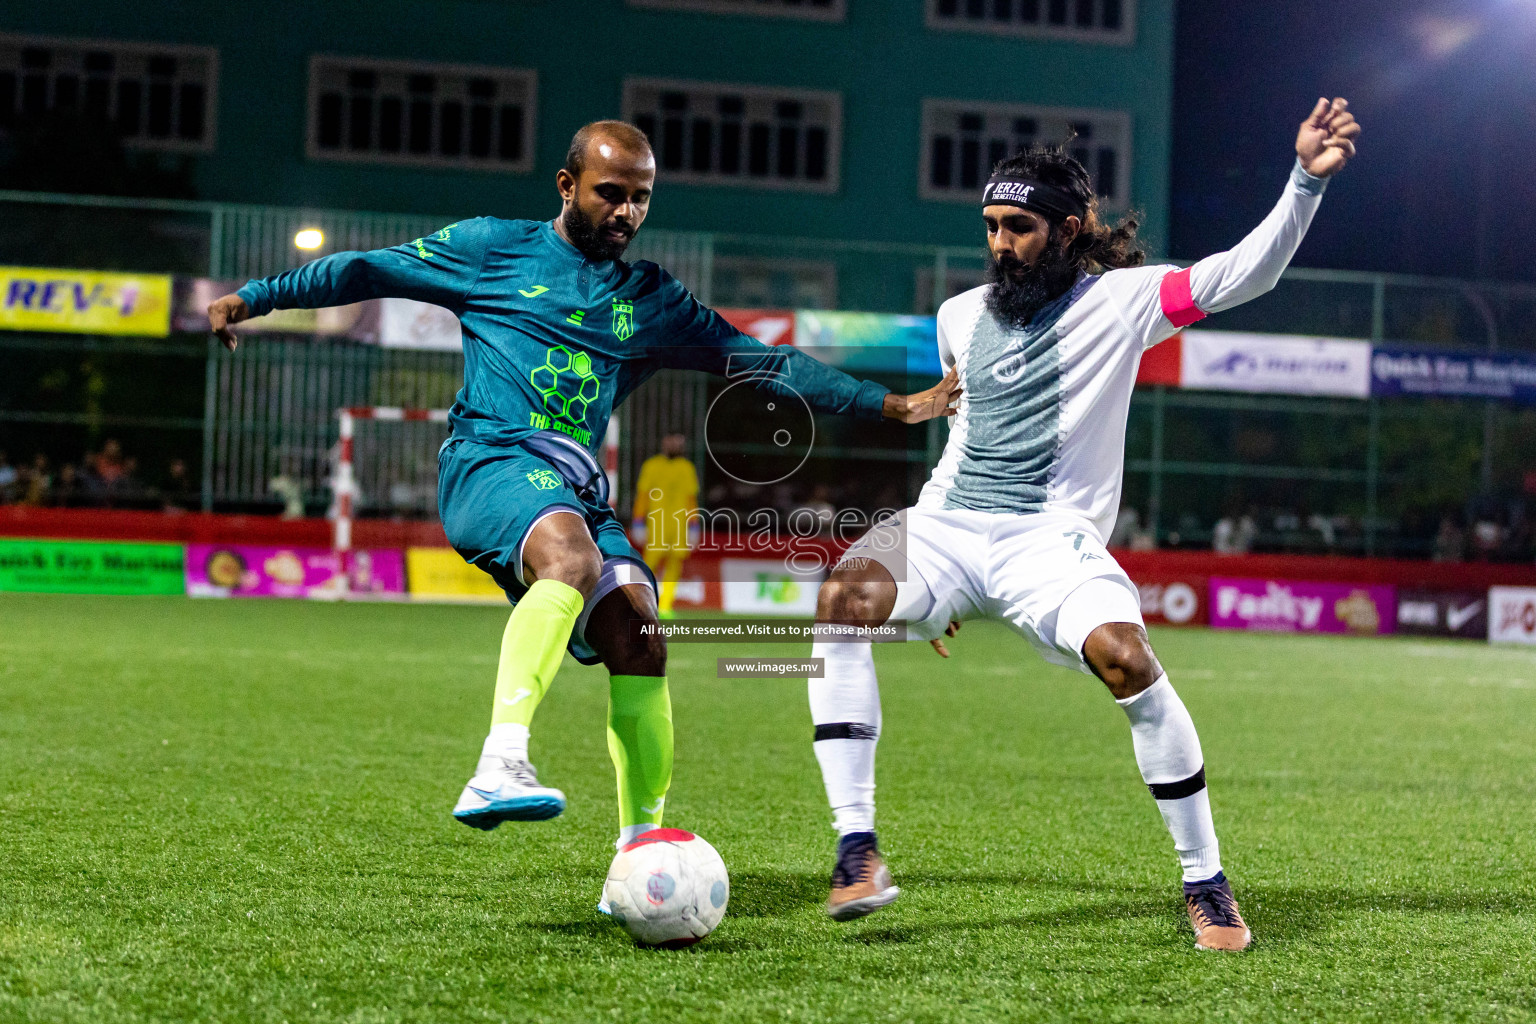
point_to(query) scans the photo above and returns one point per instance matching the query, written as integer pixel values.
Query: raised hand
(1326, 141)
(222, 313)
(938, 400)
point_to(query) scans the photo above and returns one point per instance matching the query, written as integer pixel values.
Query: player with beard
(1012, 523)
(557, 331)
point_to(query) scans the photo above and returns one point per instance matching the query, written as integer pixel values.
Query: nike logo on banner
(655, 808)
(1455, 617)
(517, 695)
(532, 293)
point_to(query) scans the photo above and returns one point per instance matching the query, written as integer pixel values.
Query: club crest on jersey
(1010, 368)
(544, 479)
(623, 320)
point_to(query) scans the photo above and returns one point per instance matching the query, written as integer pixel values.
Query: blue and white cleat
(602, 905)
(508, 793)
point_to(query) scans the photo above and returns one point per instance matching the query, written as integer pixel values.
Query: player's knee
(577, 569)
(642, 652)
(1121, 656)
(845, 602)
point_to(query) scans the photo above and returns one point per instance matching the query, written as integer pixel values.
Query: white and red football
(668, 888)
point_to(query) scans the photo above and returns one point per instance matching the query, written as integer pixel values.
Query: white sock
(845, 706)
(1168, 754)
(507, 740)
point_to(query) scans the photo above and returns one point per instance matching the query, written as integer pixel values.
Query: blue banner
(1452, 373)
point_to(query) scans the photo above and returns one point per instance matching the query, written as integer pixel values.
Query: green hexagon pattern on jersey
(567, 384)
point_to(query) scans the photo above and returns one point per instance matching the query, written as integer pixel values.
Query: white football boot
(508, 792)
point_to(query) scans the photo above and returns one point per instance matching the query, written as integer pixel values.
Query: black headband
(1028, 194)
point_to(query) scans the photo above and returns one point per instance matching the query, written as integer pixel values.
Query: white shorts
(1047, 575)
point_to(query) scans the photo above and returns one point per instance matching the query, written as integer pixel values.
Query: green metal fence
(269, 410)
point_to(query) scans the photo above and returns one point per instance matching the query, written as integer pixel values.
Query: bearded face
(1021, 290)
(594, 241)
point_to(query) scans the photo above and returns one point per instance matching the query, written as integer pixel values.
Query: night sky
(1445, 91)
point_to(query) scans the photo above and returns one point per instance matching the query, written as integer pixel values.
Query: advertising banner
(769, 326)
(89, 567)
(752, 586)
(84, 302)
(1293, 606)
(359, 321)
(1512, 615)
(251, 570)
(1462, 613)
(1401, 370)
(441, 574)
(406, 323)
(1275, 364)
(870, 342)
(1174, 601)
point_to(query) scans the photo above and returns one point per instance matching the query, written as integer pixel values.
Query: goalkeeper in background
(666, 498)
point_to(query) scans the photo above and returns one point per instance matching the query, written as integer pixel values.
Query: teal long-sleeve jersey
(552, 340)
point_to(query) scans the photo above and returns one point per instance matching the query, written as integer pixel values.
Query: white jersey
(1041, 424)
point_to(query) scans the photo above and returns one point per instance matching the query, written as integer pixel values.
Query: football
(667, 888)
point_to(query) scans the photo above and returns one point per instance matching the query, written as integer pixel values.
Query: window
(963, 141)
(1092, 21)
(745, 282)
(739, 134)
(434, 115)
(810, 10)
(157, 97)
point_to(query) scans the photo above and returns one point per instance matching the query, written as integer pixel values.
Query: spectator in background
(1234, 535)
(1487, 538)
(1127, 525)
(8, 480)
(177, 494)
(1450, 542)
(35, 483)
(68, 491)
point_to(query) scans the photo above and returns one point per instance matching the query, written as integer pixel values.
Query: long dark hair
(1097, 245)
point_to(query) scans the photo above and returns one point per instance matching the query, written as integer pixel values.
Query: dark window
(672, 143)
(970, 122)
(970, 159)
(34, 94)
(1105, 182)
(948, 8)
(1029, 11)
(1084, 14)
(789, 151)
(788, 110)
(480, 131)
(674, 101)
(451, 140)
(329, 135)
(816, 154)
(1002, 10)
(482, 88)
(98, 97)
(976, 8)
(37, 58)
(66, 92)
(162, 67)
(511, 147)
(732, 106)
(130, 98)
(997, 152)
(1057, 12)
(159, 109)
(99, 63)
(7, 98)
(647, 124)
(391, 126)
(362, 81)
(419, 139)
(940, 172)
(191, 126)
(1112, 15)
(703, 139)
(360, 123)
(730, 147)
(421, 84)
(757, 149)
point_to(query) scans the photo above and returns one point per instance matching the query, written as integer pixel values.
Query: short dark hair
(622, 132)
(1110, 247)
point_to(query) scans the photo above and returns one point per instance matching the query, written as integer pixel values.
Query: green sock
(532, 648)
(640, 743)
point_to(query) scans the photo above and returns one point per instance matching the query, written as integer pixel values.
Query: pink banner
(1293, 606)
(247, 570)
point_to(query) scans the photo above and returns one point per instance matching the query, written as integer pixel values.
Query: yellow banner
(84, 302)
(439, 574)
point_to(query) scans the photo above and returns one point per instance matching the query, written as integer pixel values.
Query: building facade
(873, 120)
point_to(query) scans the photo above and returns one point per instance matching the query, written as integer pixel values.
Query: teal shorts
(490, 498)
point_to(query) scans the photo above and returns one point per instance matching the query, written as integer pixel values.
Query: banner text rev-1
(84, 302)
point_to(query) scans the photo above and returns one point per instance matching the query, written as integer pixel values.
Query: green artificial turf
(238, 811)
